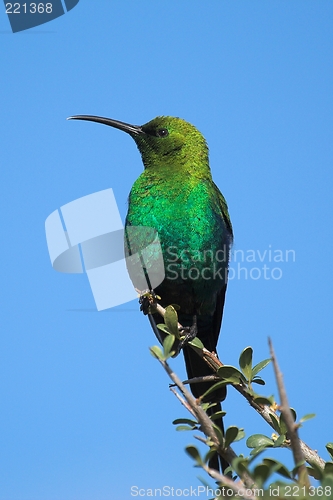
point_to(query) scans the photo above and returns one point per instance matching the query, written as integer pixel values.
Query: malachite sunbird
(176, 195)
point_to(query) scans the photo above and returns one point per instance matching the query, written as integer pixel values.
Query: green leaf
(315, 471)
(196, 342)
(278, 467)
(280, 440)
(194, 453)
(258, 381)
(184, 421)
(329, 448)
(245, 362)
(167, 345)
(240, 435)
(275, 423)
(211, 452)
(328, 468)
(283, 427)
(300, 463)
(218, 385)
(219, 434)
(156, 352)
(163, 328)
(306, 417)
(217, 415)
(293, 412)
(261, 473)
(230, 435)
(230, 374)
(185, 428)
(257, 450)
(228, 472)
(327, 482)
(171, 320)
(240, 465)
(260, 366)
(257, 440)
(262, 400)
(205, 406)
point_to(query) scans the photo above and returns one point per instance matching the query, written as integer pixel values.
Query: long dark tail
(217, 462)
(197, 367)
(208, 333)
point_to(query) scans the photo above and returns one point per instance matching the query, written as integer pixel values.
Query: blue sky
(85, 410)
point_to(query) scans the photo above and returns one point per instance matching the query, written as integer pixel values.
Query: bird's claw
(147, 300)
(190, 333)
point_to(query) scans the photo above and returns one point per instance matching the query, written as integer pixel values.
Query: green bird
(176, 195)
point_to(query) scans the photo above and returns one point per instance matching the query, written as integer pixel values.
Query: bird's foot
(147, 300)
(190, 333)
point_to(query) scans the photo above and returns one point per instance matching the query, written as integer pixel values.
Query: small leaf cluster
(265, 470)
(245, 376)
(260, 442)
(170, 325)
(231, 435)
(173, 335)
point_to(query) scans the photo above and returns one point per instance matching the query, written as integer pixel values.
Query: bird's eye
(162, 132)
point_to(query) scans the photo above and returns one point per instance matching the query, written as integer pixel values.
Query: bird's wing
(224, 210)
(217, 320)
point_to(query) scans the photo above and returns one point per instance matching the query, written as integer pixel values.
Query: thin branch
(197, 410)
(267, 413)
(182, 400)
(206, 424)
(290, 424)
(199, 380)
(237, 488)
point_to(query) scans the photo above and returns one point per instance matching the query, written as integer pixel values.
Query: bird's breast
(192, 233)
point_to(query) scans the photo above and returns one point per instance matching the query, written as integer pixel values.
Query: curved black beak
(125, 127)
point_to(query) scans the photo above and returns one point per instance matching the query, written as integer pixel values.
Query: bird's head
(164, 141)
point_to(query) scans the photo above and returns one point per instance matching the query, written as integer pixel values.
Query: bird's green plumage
(176, 196)
(192, 229)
